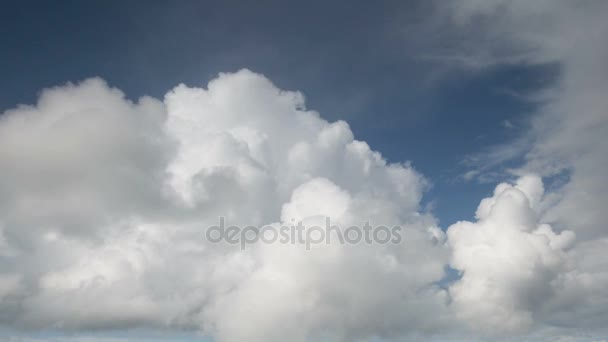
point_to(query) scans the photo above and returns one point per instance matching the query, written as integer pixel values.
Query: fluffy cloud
(105, 202)
(509, 261)
(565, 141)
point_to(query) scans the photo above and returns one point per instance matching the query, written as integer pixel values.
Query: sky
(399, 100)
(480, 127)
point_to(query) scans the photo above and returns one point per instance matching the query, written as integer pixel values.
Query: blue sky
(354, 61)
(102, 199)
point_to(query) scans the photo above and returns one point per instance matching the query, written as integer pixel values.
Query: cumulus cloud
(105, 202)
(509, 261)
(565, 141)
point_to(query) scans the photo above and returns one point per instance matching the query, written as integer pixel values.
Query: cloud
(509, 261)
(564, 141)
(105, 202)
(83, 146)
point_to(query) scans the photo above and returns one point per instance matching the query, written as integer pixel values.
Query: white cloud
(565, 141)
(509, 261)
(105, 202)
